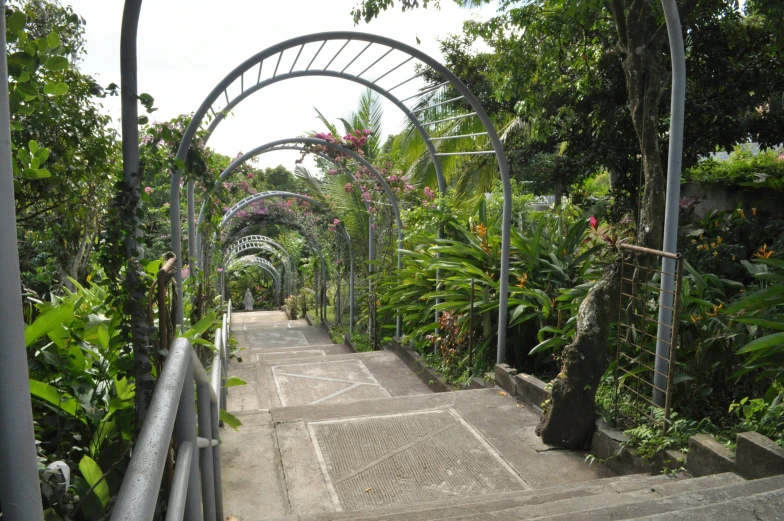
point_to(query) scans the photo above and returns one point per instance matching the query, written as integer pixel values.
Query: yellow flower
(694, 241)
(695, 318)
(522, 280)
(740, 212)
(715, 310)
(764, 252)
(719, 240)
(753, 211)
(700, 236)
(713, 245)
(715, 253)
(716, 222)
(89, 277)
(733, 257)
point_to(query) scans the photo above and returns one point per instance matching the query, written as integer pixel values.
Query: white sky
(187, 46)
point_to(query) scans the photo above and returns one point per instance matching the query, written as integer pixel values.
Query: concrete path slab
(328, 431)
(299, 378)
(258, 317)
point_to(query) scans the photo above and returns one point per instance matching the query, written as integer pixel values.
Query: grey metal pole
(399, 318)
(371, 257)
(20, 493)
(185, 432)
(192, 246)
(205, 456)
(674, 163)
(216, 464)
(132, 181)
(351, 298)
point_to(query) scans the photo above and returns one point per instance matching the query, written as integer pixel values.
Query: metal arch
(261, 263)
(278, 193)
(289, 144)
(413, 53)
(276, 145)
(274, 244)
(252, 242)
(248, 246)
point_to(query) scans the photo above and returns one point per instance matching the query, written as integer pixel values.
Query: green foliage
(743, 168)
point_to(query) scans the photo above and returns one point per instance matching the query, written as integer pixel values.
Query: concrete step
(478, 505)
(298, 377)
(270, 338)
(395, 453)
(765, 506)
(288, 352)
(632, 506)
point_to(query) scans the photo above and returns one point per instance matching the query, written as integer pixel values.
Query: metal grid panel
(637, 397)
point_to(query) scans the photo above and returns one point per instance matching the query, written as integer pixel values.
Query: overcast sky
(187, 46)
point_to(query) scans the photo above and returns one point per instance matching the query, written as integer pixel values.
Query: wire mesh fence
(643, 375)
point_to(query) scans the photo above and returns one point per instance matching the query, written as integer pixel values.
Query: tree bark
(572, 414)
(570, 418)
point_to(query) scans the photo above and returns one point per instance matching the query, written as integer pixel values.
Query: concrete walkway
(326, 430)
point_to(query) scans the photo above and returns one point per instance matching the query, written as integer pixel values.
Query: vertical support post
(192, 246)
(471, 329)
(674, 163)
(216, 463)
(316, 291)
(205, 456)
(132, 182)
(185, 431)
(371, 258)
(399, 318)
(351, 298)
(163, 334)
(20, 493)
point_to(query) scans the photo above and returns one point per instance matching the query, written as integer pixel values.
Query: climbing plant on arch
(262, 242)
(238, 206)
(354, 57)
(262, 263)
(302, 143)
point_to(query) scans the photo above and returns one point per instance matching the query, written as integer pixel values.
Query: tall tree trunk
(570, 419)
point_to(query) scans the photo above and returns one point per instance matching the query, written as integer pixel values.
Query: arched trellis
(275, 193)
(261, 242)
(387, 47)
(301, 143)
(261, 263)
(261, 248)
(313, 243)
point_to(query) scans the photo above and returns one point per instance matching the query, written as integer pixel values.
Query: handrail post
(216, 463)
(204, 416)
(185, 431)
(20, 492)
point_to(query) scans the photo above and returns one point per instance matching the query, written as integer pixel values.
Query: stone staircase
(331, 434)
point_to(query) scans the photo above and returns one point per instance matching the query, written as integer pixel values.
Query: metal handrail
(196, 491)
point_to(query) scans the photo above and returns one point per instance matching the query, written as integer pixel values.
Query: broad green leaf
(53, 40)
(762, 322)
(49, 393)
(56, 89)
(758, 300)
(105, 430)
(94, 476)
(201, 326)
(61, 314)
(230, 420)
(125, 389)
(57, 63)
(235, 382)
(763, 343)
(16, 21)
(33, 146)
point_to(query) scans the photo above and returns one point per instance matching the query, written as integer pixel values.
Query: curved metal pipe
(450, 78)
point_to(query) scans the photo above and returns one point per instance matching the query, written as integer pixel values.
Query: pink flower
(336, 222)
(220, 270)
(148, 190)
(593, 222)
